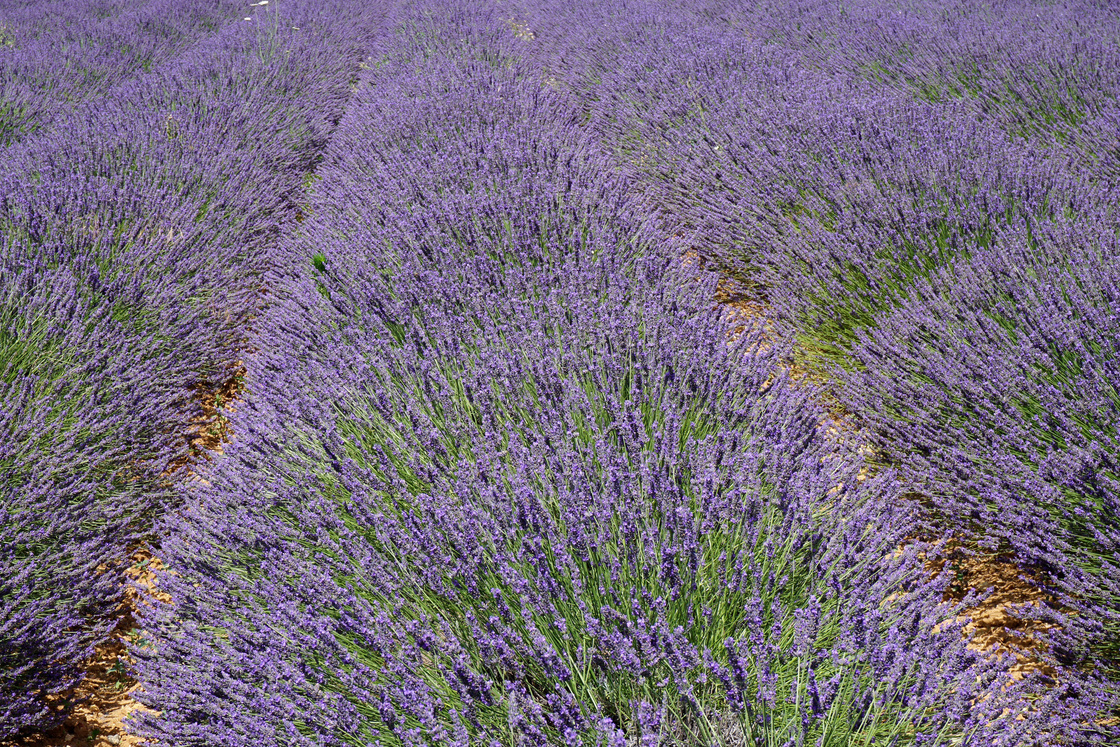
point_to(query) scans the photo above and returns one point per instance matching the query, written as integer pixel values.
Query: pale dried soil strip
(105, 694)
(994, 626)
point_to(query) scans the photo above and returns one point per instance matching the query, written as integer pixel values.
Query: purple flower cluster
(134, 233)
(925, 195)
(824, 190)
(993, 387)
(1046, 72)
(502, 477)
(58, 56)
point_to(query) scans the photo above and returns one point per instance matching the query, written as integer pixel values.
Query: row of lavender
(133, 238)
(501, 476)
(58, 56)
(926, 197)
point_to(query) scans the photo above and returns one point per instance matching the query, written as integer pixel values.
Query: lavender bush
(826, 193)
(502, 479)
(995, 391)
(133, 239)
(55, 57)
(1044, 72)
(86, 434)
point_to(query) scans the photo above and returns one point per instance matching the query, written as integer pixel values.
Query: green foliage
(26, 346)
(14, 122)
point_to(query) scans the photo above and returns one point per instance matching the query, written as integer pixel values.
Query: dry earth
(105, 694)
(994, 626)
(104, 697)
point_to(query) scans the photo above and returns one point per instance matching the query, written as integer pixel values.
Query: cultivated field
(597, 373)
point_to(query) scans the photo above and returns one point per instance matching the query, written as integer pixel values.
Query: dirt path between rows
(998, 624)
(104, 697)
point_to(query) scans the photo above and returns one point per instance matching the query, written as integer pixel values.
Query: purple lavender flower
(502, 477)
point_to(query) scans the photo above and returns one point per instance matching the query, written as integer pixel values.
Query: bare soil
(994, 627)
(104, 697)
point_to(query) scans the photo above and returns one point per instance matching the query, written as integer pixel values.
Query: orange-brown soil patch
(994, 626)
(104, 698)
(210, 429)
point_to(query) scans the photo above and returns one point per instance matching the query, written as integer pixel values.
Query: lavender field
(605, 373)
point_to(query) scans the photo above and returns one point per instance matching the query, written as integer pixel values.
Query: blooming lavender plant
(501, 477)
(828, 193)
(130, 263)
(1044, 72)
(995, 393)
(61, 55)
(85, 438)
